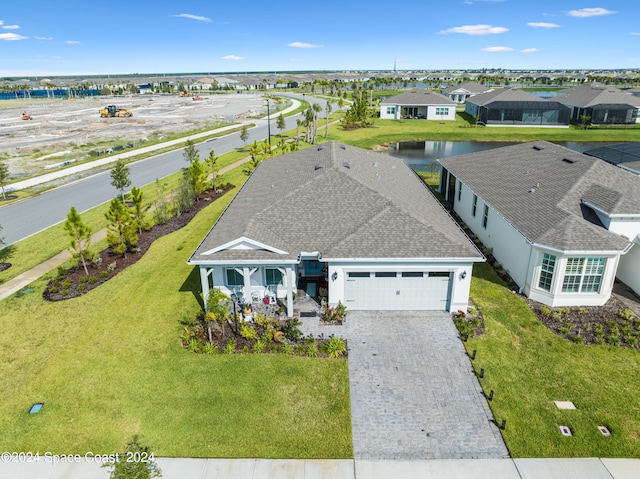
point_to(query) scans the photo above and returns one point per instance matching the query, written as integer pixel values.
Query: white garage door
(408, 291)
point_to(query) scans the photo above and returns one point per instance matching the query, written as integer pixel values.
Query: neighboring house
(563, 224)
(513, 107)
(623, 155)
(463, 91)
(418, 103)
(358, 223)
(604, 104)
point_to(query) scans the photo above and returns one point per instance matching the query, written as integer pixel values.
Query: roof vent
(538, 146)
(346, 164)
(375, 163)
(532, 190)
(570, 159)
(318, 166)
(343, 147)
(320, 147)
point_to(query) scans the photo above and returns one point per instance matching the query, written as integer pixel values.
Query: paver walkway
(413, 391)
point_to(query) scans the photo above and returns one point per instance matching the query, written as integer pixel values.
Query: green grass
(529, 367)
(388, 131)
(110, 365)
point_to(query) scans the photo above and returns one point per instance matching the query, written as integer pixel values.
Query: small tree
(138, 210)
(185, 195)
(136, 462)
(244, 135)
(213, 164)
(161, 211)
(197, 177)
(280, 123)
(256, 152)
(120, 177)
(122, 231)
(190, 153)
(216, 310)
(4, 177)
(80, 238)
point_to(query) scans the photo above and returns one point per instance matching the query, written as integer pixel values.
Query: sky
(124, 37)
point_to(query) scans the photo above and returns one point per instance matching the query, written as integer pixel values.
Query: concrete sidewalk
(184, 468)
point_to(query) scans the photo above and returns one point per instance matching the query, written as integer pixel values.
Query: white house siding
(629, 268)
(458, 292)
(432, 109)
(627, 227)
(257, 279)
(509, 246)
(389, 112)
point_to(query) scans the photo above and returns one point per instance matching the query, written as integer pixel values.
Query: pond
(421, 155)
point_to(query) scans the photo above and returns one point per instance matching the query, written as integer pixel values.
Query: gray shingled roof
(418, 97)
(504, 94)
(375, 207)
(470, 86)
(542, 195)
(591, 95)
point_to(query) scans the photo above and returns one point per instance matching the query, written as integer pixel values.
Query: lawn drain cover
(36, 407)
(564, 404)
(604, 430)
(565, 431)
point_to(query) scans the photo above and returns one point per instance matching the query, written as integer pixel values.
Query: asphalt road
(32, 215)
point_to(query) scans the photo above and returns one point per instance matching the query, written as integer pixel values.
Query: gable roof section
(341, 201)
(468, 87)
(592, 95)
(419, 97)
(504, 94)
(535, 188)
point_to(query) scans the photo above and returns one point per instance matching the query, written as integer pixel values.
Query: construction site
(40, 135)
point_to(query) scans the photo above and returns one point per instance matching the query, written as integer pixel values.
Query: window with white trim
(391, 110)
(273, 276)
(442, 111)
(234, 277)
(475, 206)
(583, 275)
(546, 271)
(459, 190)
(485, 216)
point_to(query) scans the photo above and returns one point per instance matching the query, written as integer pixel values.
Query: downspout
(527, 273)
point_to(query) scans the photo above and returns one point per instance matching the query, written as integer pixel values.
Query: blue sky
(49, 38)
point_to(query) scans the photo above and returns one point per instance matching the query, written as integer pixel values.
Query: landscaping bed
(73, 282)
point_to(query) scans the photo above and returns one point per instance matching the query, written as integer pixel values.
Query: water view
(422, 155)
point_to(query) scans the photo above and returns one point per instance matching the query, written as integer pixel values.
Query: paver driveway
(413, 392)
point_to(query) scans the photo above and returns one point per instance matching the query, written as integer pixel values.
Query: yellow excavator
(112, 111)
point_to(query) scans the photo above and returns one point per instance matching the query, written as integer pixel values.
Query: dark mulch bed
(612, 324)
(4, 266)
(74, 282)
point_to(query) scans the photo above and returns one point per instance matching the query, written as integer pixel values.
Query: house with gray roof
(513, 107)
(418, 103)
(563, 224)
(358, 223)
(463, 91)
(603, 104)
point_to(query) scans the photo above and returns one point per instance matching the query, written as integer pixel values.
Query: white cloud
(72, 42)
(590, 12)
(232, 57)
(303, 45)
(11, 27)
(542, 25)
(193, 17)
(44, 38)
(475, 30)
(635, 34)
(11, 37)
(530, 50)
(497, 49)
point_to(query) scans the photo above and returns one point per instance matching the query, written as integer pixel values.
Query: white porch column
(204, 281)
(290, 280)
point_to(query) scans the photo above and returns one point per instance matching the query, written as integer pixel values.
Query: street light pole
(268, 123)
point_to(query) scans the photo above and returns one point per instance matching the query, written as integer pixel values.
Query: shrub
(334, 348)
(248, 332)
(194, 345)
(111, 267)
(81, 287)
(631, 340)
(291, 330)
(230, 347)
(104, 274)
(578, 339)
(598, 330)
(286, 349)
(272, 348)
(564, 311)
(599, 340)
(67, 284)
(311, 350)
(62, 272)
(545, 310)
(93, 280)
(259, 346)
(299, 350)
(626, 314)
(84, 279)
(54, 289)
(65, 292)
(210, 348)
(582, 311)
(613, 340)
(566, 329)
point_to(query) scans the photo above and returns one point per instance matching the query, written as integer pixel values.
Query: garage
(397, 290)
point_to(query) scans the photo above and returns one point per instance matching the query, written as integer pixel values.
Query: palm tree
(316, 110)
(299, 123)
(327, 113)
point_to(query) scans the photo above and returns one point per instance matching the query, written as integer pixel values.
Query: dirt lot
(66, 130)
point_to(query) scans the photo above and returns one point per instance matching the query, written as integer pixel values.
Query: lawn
(110, 365)
(529, 367)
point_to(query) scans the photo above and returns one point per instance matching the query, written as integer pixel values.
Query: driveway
(413, 392)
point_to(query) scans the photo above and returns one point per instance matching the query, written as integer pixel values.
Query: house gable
(243, 243)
